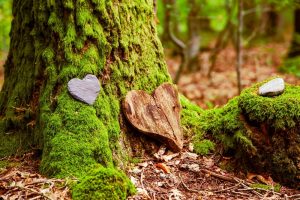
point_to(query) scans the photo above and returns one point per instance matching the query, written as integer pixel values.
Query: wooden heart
(85, 90)
(157, 116)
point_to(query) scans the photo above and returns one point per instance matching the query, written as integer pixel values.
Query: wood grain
(157, 116)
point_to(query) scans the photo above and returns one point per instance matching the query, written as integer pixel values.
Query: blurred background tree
(5, 20)
(5, 23)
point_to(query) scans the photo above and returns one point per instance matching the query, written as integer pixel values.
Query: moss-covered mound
(263, 132)
(273, 125)
(103, 183)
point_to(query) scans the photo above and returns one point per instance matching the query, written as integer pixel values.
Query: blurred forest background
(214, 48)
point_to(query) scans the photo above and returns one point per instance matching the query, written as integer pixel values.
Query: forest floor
(176, 176)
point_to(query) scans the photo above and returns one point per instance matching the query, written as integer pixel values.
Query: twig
(31, 190)
(241, 193)
(186, 187)
(250, 189)
(294, 196)
(253, 10)
(143, 187)
(229, 188)
(226, 178)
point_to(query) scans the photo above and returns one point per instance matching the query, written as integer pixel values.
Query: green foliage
(292, 66)
(275, 188)
(216, 11)
(5, 23)
(103, 183)
(203, 146)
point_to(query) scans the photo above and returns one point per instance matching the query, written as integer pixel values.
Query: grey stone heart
(85, 90)
(272, 88)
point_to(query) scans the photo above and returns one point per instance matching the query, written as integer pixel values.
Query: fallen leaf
(164, 167)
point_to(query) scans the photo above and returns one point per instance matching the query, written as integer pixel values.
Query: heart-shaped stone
(85, 90)
(157, 116)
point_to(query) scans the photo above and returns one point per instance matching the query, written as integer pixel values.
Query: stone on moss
(261, 132)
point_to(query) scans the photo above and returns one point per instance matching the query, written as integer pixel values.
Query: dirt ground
(166, 175)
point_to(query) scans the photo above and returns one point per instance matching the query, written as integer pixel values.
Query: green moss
(281, 112)
(103, 183)
(190, 117)
(275, 188)
(203, 146)
(261, 132)
(225, 125)
(8, 164)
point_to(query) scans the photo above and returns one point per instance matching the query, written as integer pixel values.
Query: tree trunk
(291, 63)
(55, 41)
(294, 50)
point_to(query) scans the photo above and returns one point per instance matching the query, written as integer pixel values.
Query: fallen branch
(30, 190)
(229, 188)
(226, 178)
(186, 187)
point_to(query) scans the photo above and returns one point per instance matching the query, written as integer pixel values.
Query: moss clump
(275, 188)
(281, 112)
(203, 146)
(190, 117)
(226, 126)
(103, 183)
(261, 132)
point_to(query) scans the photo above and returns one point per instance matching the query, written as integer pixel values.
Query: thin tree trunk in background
(193, 35)
(222, 39)
(155, 6)
(239, 45)
(294, 50)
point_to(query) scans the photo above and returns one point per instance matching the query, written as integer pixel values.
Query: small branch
(174, 39)
(225, 178)
(253, 10)
(186, 187)
(30, 190)
(229, 188)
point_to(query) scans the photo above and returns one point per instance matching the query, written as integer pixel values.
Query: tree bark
(55, 41)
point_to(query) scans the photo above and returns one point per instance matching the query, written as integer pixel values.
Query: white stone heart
(272, 88)
(85, 90)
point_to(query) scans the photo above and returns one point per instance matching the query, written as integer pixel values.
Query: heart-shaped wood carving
(85, 90)
(158, 115)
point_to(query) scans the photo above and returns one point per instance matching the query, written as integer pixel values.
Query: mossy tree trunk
(55, 41)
